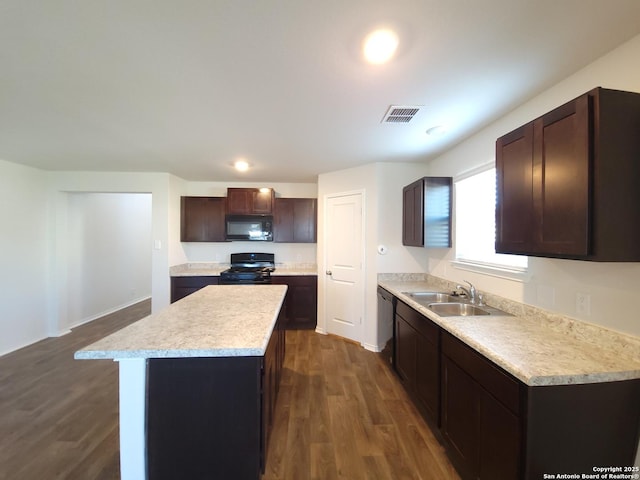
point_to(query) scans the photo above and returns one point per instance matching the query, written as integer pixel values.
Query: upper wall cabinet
(202, 219)
(250, 201)
(295, 220)
(426, 213)
(567, 183)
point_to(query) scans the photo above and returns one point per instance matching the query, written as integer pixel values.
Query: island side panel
(203, 418)
(133, 463)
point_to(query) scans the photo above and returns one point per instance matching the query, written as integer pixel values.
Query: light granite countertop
(215, 321)
(536, 348)
(208, 269)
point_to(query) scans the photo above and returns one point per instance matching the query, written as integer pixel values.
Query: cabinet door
(239, 201)
(250, 201)
(413, 214)
(283, 220)
(543, 172)
(428, 376)
(301, 303)
(481, 407)
(461, 417)
(499, 440)
(406, 345)
(262, 201)
(202, 219)
(295, 220)
(561, 180)
(514, 184)
(305, 219)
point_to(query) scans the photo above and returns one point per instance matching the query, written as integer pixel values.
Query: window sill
(516, 274)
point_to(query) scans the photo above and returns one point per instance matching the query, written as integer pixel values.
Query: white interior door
(344, 284)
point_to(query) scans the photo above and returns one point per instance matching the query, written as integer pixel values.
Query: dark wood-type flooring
(341, 413)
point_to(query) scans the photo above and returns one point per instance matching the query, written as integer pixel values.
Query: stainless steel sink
(431, 297)
(447, 305)
(452, 309)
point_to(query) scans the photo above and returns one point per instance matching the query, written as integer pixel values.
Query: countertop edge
(94, 352)
(178, 353)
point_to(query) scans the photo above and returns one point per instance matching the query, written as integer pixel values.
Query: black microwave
(249, 227)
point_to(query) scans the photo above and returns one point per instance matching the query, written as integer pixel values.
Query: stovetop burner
(249, 268)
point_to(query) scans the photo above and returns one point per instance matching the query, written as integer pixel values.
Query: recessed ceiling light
(436, 131)
(241, 165)
(380, 46)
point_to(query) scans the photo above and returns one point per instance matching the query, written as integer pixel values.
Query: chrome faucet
(471, 292)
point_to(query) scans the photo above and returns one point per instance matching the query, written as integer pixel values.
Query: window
(475, 204)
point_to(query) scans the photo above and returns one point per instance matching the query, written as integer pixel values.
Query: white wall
(23, 256)
(391, 178)
(60, 184)
(382, 184)
(554, 283)
(221, 251)
(109, 254)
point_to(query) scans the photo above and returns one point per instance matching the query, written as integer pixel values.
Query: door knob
(328, 272)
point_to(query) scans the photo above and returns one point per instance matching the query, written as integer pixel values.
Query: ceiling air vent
(400, 114)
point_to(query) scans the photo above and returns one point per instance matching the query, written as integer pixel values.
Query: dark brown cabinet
(272, 372)
(202, 219)
(567, 182)
(300, 309)
(426, 213)
(211, 417)
(250, 201)
(417, 357)
(495, 427)
(295, 220)
(480, 430)
(183, 286)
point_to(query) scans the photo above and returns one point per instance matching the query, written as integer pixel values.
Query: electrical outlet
(583, 303)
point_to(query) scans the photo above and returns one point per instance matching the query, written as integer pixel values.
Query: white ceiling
(188, 86)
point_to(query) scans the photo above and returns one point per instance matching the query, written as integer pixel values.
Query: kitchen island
(198, 382)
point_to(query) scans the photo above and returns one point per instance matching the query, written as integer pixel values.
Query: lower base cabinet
(301, 303)
(417, 358)
(183, 286)
(481, 433)
(300, 307)
(495, 427)
(211, 417)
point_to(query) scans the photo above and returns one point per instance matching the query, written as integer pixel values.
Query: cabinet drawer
(491, 377)
(418, 321)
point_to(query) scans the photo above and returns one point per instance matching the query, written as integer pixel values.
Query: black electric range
(249, 269)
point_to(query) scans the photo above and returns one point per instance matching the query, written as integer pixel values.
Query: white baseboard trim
(61, 333)
(68, 330)
(13, 348)
(107, 312)
(371, 347)
(321, 331)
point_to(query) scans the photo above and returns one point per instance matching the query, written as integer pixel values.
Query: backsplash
(626, 345)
